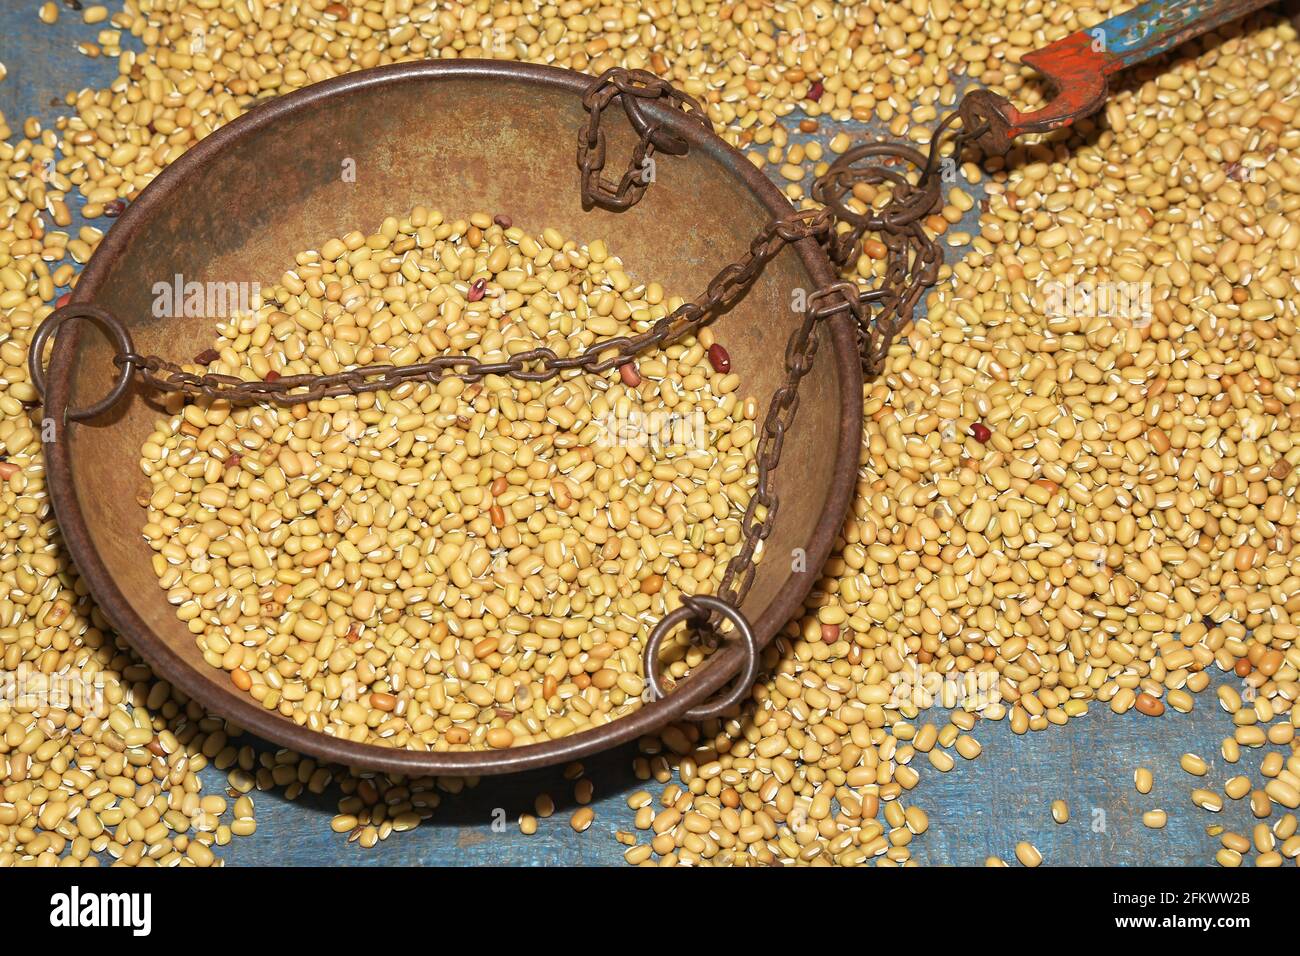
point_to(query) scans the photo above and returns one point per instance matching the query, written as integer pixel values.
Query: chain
(632, 87)
(913, 260)
(536, 365)
(912, 265)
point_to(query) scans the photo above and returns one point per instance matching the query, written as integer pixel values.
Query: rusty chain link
(632, 87)
(535, 365)
(913, 261)
(912, 264)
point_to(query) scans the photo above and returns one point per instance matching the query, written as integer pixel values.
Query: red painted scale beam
(1077, 66)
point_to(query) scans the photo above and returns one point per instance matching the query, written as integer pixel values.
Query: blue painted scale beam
(1077, 66)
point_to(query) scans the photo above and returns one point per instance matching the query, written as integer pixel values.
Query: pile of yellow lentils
(449, 566)
(1062, 505)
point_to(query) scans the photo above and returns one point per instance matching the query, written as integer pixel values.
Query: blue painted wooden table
(980, 808)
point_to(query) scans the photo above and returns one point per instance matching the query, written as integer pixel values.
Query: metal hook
(698, 607)
(115, 330)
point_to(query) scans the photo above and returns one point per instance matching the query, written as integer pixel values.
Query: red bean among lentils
(875, 249)
(719, 359)
(1149, 704)
(981, 433)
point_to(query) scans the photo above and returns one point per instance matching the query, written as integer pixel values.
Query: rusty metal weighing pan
(464, 136)
(458, 136)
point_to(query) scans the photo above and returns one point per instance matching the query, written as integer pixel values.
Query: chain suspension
(912, 264)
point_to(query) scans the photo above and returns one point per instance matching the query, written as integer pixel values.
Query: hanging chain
(535, 365)
(912, 264)
(913, 260)
(632, 87)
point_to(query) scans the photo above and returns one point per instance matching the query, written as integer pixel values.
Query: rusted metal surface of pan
(457, 136)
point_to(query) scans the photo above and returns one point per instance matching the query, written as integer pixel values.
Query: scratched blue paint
(44, 65)
(1154, 27)
(980, 808)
